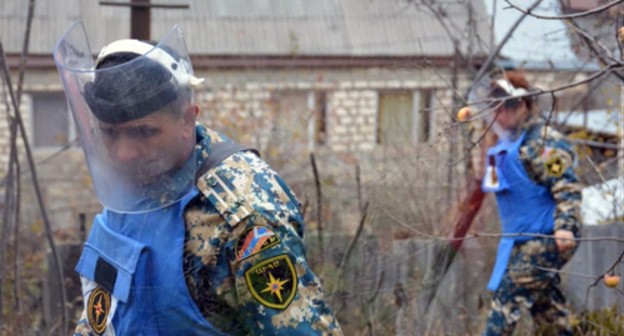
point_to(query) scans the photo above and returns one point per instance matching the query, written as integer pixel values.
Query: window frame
(427, 109)
(30, 97)
(416, 114)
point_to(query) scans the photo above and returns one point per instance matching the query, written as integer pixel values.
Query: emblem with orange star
(273, 282)
(98, 307)
(553, 161)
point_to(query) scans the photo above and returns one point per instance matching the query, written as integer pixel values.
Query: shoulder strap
(223, 195)
(219, 152)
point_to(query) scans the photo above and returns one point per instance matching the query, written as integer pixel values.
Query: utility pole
(141, 15)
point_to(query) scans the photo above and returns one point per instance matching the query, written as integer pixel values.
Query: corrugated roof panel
(259, 27)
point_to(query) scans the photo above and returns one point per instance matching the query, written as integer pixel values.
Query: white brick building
(345, 79)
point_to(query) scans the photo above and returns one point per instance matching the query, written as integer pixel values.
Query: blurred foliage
(600, 322)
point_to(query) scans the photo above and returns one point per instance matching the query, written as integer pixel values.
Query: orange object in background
(464, 113)
(611, 280)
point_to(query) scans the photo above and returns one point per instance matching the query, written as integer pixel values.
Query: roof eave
(224, 61)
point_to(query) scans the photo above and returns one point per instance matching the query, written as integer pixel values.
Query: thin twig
(553, 103)
(319, 208)
(354, 240)
(16, 224)
(538, 92)
(6, 216)
(478, 234)
(363, 212)
(598, 278)
(24, 54)
(596, 144)
(569, 16)
(591, 41)
(591, 162)
(33, 174)
(586, 276)
(50, 157)
(16, 210)
(358, 184)
(485, 66)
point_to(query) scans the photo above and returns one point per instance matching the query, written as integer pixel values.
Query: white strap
(510, 89)
(179, 69)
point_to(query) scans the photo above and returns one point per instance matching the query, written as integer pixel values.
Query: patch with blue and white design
(254, 240)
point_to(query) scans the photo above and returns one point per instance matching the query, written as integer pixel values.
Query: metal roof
(260, 27)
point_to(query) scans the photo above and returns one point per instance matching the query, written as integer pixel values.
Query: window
(51, 123)
(404, 117)
(299, 118)
(395, 118)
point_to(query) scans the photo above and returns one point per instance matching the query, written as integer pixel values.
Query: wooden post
(140, 17)
(140, 20)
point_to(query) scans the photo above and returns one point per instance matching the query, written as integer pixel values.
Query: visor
(131, 109)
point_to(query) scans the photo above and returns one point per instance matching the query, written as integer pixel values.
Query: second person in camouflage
(531, 172)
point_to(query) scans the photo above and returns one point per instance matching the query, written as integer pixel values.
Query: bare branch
(604, 71)
(33, 174)
(597, 280)
(319, 207)
(591, 41)
(24, 54)
(495, 53)
(354, 240)
(594, 143)
(477, 234)
(16, 221)
(570, 16)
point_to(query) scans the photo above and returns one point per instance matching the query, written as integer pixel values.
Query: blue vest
(137, 258)
(523, 205)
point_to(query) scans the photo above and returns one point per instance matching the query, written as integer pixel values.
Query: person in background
(531, 172)
(198, 236)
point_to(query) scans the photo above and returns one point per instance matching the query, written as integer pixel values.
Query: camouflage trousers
(529, 283)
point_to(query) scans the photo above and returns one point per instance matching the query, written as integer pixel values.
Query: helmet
(487, 95)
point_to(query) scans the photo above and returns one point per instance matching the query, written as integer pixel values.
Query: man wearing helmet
(198, 235)
(530, 170)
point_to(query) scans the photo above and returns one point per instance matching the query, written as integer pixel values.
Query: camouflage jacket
(548, 159)
(244, 260)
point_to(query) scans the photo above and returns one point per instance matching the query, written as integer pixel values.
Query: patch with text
(273, 282)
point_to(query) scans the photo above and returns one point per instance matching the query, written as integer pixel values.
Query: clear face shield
(134, 111)
(486, 97)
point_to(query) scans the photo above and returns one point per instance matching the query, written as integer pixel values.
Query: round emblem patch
(273, 282)
(556, 161)
(98, 307)
(554, 166)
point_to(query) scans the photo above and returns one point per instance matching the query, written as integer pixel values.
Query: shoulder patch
(98, 307)
(229, 200)
(254, 240)
(273, 282)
